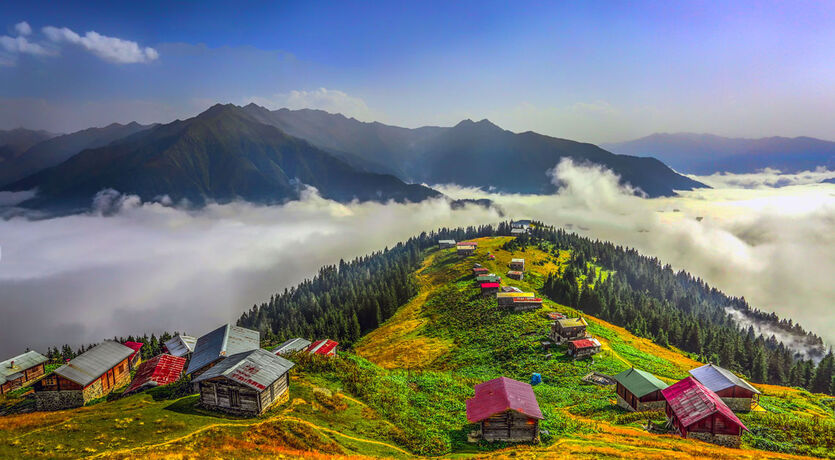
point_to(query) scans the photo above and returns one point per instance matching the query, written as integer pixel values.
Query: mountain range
(230, 152)
(707, 154)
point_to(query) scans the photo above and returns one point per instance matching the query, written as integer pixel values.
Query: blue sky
(592, 71)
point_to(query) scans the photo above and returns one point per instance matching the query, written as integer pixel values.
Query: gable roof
(585, 343)
(572, 322)
(257, 369)
(21, 363)
(501, 394)
(322, 347)
(716, 378)
(292, 345)
(91, 364)
(640, 383)
(517, 260)
(467, 243)
(180, 345)
(447, 241)
(224, 341)
(157, 371)
(135, 346)
(691, 401)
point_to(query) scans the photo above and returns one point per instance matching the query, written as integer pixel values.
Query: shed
(491, 278)
(480, 271)
(466, 250)
(505, 299)
(639, 390)
(446, 244)
(325, 347)
(21, 370)
(181, 345)
(467, 243)
(245, 383)
(291, 345)
(91, 375)
(517, 264)
(734, 391)
(136, 356)
(516, 275)
(694, 411)
(526, 303)
(227, 340)
(565, 329)
(157, 371)
(489, 289)
(582, 348)
(506, 410)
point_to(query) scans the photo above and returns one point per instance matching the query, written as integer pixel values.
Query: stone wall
(738, 404)
(651, 405)
(57, 400)
(94, 391)
(727, 440)
(622, 403)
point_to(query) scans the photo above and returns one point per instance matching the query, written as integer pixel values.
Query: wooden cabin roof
(157, 371)
(691, 401)
(93, 363)
(716, 378)
(9, 371)
(640, 383)
(584, 343)
(499, 395)
(572, 322)
(322, 347)
(292, 345)
(227, 340)
(135, 346)
(257, 369)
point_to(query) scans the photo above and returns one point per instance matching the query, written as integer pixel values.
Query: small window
(50, 381)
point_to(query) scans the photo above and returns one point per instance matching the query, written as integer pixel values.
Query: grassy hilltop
(400, 392)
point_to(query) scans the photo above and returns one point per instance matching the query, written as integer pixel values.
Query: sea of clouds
(131, 267)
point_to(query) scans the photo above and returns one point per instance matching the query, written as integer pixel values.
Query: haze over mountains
(707, 154)
(251, 153)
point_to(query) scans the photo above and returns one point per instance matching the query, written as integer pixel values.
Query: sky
(590, 71)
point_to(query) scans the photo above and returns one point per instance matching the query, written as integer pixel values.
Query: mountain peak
(482, 124)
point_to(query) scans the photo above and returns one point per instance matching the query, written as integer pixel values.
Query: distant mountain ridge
(56, 149)
(222, 154)
(474, 154)
(707, 153)
(15, 141)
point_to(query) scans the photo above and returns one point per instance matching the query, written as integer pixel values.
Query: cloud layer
(152, 267)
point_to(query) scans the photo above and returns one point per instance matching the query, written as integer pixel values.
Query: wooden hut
(91, 375)
(489, 289)
(526, 303)
(465, 249)
(693, 411)
(291, 345)
(324, 347)
(227, 340)
(734, 391)
(446, 244)
(639, 390)
(516, 275)
(506, 410)
(246, 383)
(489, 278)
(517, 264)
(21, 370)
(505, 299)
(565, 329)
(582, 348)
(480, 271)
(160, 370)
(136, 357)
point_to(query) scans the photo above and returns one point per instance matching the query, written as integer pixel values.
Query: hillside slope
(401, 392)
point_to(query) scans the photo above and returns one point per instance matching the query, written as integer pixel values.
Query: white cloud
(766, 178)
(23, 28)
(330, 100)
(108, 48)
(21, 45)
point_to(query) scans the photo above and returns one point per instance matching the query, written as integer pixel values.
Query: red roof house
(136, 356)
(583, 347)
(506, 410)
(489, 289)
(695, 411)
(467, 243)
(325, 347)
(157, 371)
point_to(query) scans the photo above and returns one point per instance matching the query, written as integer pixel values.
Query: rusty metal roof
(691, 401)
(501, 394)
(93, 363)
(21, 363)
(157, 371)
(257, 369)
(180, 345)
(716, 378)
(224, 341)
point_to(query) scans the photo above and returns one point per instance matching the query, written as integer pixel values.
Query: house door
(234, 398)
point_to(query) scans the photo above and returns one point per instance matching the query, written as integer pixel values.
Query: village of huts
(233, 374)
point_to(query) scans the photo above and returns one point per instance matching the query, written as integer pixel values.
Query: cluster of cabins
(508, 297)
(227, 366)
(572, 332)
(701, 406)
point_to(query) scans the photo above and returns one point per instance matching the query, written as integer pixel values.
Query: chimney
(11, 365)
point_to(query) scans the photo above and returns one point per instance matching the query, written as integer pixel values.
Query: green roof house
(639, 390)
